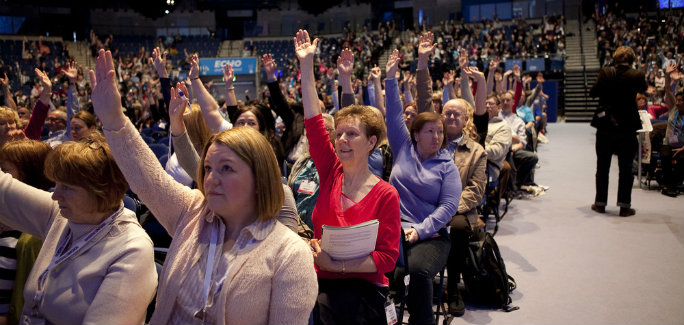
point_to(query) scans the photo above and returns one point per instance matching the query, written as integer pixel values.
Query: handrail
(584, 66)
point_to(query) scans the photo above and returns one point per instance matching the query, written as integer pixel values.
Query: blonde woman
(229, 261)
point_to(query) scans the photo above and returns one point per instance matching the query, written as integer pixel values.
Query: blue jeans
(425, 259)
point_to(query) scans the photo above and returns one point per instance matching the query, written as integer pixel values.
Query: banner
(214, 66)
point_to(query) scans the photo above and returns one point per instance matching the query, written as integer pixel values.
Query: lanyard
(202, 313)
(61, 256)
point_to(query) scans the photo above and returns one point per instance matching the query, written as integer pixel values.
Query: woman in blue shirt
(429, 189)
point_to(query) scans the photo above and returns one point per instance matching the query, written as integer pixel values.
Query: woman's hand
(321, 258)
(426, 45)
(194, 68)
(345, 63)
(177, 104)
(47, 86)
(269, 67)
(159, 62)
(411, 236)
(105, 96)
(71, 71)
(494, 64)
(228, 75)
(392, 64)
(305, 49)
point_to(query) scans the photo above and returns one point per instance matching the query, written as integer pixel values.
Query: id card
(307, 187)
(390, 312)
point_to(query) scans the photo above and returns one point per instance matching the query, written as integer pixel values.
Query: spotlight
(166, 11)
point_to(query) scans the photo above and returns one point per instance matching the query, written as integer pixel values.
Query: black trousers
(460, 237)
(672, 170)
(625, 146)
(426, 258)
(350, 301)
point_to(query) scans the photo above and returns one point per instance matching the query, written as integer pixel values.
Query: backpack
(484, 273)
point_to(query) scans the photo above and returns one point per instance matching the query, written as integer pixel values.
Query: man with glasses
(56, 123)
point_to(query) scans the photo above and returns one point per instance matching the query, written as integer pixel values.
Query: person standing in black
(616, 87)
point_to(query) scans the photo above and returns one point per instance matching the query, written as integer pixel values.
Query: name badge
(390, 312)
(307, 187)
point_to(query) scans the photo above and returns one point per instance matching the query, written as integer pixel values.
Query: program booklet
(350, 242)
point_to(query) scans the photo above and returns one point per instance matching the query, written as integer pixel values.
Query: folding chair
(400, 278)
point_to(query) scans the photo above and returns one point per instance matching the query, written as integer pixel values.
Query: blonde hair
(89, 164)
(197, 128)
(7, 113)
(255, 150)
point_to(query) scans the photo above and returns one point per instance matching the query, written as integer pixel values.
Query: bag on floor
(484, 273)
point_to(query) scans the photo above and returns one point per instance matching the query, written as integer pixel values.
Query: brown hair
(86, 117)
(29, 158)
(373, 125)
(89, 164)
(257, 113)
(197, 128)
(426, 117)
(624, 54)
(256, 151)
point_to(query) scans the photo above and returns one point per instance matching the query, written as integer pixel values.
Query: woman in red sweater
(350, 291)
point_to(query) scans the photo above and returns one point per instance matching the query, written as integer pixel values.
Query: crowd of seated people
(389, 150)
(656, 42)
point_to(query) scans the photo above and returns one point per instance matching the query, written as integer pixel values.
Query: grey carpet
(575, 266)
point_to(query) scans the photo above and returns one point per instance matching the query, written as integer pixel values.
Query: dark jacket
(617, 93)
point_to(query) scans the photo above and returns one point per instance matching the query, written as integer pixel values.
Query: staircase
(581, 69)
(80, 51)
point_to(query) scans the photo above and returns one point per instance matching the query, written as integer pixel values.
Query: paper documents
(347, 243)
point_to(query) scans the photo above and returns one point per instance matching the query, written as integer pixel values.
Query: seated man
(56, 123)
(498, 141)
(524, 160)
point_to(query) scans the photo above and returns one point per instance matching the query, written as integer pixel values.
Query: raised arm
(158, 60)
(210, 108)
(448, 81)
(518, 87)
(278, 101)
(535, 93)
(139, 165)
(397, 133)
(9, 101)
(228, 76)
(40, 110)
(345, 66)
(669, 95)
(490, 77)
(423, 82)
(26, 208)
(481, 96)
(73, 106)
(379, 100)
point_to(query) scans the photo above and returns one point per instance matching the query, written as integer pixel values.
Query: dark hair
(86, 117)
(424, 118)
(256, 111)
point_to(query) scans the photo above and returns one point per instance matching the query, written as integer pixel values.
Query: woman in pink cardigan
(230, 261)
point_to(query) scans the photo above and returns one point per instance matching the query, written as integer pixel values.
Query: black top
(616, 89)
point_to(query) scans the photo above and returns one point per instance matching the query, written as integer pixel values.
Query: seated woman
(471, 160)
(82, 124)
(429, 187)
(225, 239)
(94, 254)
(25, 161)
(350, 291)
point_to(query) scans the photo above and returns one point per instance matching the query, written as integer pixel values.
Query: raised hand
(228, 75)
(345, 62)
(494, 64)
(305, 49)
(178, 104)
(462, 58)
(194, 68)
(540, 78)
(269, 67)
(4, 82)
(448, 78)
(158, 60)
(526, 79)
(426, 45)
(374, 74)
(670, 69)
(516, 71)
(105, 95)
(392, 64)
(47, 86)
(474, 73)
(71, 71)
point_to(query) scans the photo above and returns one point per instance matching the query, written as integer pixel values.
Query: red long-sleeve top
(381, 203)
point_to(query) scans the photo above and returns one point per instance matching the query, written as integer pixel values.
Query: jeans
(624, 145)
(425, 259)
